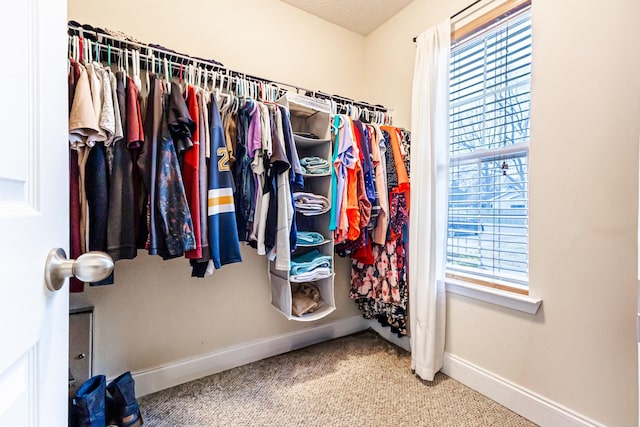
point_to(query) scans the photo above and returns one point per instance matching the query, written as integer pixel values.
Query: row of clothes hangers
(232, 90)
(357, 112)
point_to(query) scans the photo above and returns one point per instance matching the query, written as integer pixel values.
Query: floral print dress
(380, 287)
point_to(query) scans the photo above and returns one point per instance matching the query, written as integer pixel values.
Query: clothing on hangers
(178, 170)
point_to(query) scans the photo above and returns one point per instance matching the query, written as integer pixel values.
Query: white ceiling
(359, 16)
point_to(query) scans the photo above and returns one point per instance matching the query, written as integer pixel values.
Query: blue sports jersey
(221, 217)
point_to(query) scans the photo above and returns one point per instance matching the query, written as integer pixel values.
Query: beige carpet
(359, 380)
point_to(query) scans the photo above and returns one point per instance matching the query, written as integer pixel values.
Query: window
(488, 218)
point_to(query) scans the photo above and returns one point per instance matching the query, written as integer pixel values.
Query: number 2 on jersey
(223, 161)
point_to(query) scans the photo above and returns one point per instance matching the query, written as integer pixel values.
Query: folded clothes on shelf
(311, 204)
(305, 298)
(309, 238)
(309, 261)
(314, 165)
(317, 274)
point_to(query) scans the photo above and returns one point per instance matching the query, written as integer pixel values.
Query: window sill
(499, 297)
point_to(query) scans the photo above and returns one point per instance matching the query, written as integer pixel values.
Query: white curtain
(429, 199)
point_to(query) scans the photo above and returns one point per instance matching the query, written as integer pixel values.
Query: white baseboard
(530, 405)
(171, 374)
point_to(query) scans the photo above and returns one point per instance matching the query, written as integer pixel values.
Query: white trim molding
(520, 400)
(499, 297)
(181, 371)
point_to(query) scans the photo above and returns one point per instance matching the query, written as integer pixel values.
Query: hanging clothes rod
(461, 11)
(120, 43)
(147, 60)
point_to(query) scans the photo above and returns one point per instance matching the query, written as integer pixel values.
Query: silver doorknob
(89, 267)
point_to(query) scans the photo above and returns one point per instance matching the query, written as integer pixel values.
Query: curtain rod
(75, 28)
(458, 13)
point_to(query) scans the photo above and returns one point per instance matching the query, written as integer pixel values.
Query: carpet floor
(358, 380)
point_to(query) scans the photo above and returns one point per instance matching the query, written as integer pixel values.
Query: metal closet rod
(146, 64)
(83, 31)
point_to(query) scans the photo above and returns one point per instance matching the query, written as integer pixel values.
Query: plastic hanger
(96, 47)
(233, 98)
(214, 80)
(167, 73)
(217, 91)
(136, 69)
(150, 67)
(191, 76)
(227, 97)
(196, 75)
(75, 51)
(87, 51)
(126, 63)
(337, 118)
(236, 81)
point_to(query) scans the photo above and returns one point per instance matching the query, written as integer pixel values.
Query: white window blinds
(490, 80)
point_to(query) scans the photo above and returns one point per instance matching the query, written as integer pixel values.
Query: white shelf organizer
(309, 115)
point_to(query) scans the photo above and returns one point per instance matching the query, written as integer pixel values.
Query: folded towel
(315, 171)
(309, 238)
(312, 161)
(309, 261)
(314, 165)
(317, 274)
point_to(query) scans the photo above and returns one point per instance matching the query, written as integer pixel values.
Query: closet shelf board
(314, 175)
(313, 245)
(292, 280)
(323, 310)
(306, 106)
(305, 142)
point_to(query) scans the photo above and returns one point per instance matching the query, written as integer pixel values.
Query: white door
(33, 212)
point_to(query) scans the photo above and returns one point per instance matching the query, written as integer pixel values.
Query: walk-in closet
(290, 212)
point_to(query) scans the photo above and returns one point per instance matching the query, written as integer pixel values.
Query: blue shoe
(87, 406)
(122, 401)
